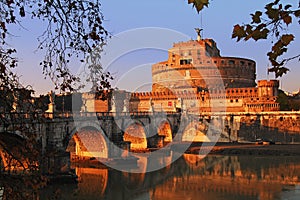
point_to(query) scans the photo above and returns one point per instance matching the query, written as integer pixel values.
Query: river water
(189, 177)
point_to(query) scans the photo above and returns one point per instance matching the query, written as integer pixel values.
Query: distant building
(196, 78)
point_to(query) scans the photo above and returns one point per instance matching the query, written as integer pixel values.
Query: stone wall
(276, 127)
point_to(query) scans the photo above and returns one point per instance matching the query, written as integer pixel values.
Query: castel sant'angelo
(196, 78)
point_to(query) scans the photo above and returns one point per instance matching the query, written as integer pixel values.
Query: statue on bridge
(51, 96)
(51, 105)
(113, 104)
(151, 109)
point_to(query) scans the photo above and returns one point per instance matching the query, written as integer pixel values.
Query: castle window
(198, 52)
(231, 101)
(231, 62)
(222, 61)
(185, 61)
(215, 62)
(236, 100)
(242, 62)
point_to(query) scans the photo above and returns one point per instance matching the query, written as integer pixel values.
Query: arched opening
(165, 130)
(195, 132)
(88, 143)
(135, 134)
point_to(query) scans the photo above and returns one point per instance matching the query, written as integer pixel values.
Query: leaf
(22, 11)
(297, 13)
(287, 19)
(280, 71)
(272, 13)
(3, 27)
(287, 6)
(2, 68)
(256, 17)
(286, 39)
(238, 32)
(264, 33)
(199, 4)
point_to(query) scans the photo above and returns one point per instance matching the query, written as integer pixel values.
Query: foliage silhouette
(272, 22)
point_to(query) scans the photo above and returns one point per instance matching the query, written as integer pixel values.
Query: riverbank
(246, 149)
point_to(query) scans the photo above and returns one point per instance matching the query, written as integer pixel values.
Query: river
(190, 177)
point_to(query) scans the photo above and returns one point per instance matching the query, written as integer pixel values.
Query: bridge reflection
(189, 177)
(194, 176)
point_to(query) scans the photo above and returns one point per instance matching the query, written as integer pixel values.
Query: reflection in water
(92, 182)
(195, 177)
(232, 177)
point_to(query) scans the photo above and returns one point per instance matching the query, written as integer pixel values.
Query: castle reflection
(194, 177)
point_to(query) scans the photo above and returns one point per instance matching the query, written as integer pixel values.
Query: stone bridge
(107, 135)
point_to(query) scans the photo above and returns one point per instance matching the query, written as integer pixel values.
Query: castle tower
(268, 88)
(198, 64)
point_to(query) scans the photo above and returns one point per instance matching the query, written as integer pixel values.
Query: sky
(143, 31)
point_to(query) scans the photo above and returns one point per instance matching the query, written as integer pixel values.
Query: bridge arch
(135, 133)
(164, 129)
(195, 132)
(87, 140)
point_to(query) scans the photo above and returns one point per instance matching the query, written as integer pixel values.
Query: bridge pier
(119, 150)
(56, 163)
(156, 141)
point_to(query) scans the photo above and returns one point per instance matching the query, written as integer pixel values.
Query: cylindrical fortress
(197, 64)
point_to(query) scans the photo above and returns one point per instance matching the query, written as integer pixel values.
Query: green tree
(283, 101)
(272, 22)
